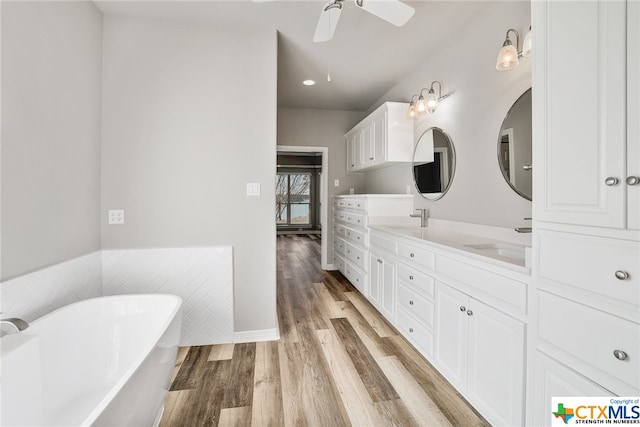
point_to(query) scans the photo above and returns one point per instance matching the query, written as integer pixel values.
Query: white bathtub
(99, 362)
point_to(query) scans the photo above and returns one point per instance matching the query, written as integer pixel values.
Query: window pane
(281, 213)
(299, 214)
(300, 188)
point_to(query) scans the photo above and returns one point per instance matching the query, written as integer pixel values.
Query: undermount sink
(501, 249)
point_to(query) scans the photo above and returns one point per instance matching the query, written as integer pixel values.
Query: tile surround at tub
(35, 294)
(202, 277)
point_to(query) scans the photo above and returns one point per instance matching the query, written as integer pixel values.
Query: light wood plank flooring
(338, 363)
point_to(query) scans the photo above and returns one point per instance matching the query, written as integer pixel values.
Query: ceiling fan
(392, 11)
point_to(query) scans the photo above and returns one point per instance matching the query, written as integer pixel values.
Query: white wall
(179, 147)
(51, 90)
(324, 128)
(472, 116)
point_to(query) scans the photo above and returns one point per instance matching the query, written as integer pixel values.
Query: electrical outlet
(116, 216)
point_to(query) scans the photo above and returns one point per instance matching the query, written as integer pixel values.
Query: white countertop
(459, 243)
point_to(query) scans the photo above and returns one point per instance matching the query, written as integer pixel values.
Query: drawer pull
(463, 308)
(633, 180)
(410, 329)
(412, 255)
(620, 355)
(611, 181)
(370, 158)
(380, 261)
(358, 257)
(622, 275)
(410, 277)
(410, 302)
(469, 313)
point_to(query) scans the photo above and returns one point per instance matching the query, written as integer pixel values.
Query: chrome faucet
(524, 229)
(18, 324)
(423, 215)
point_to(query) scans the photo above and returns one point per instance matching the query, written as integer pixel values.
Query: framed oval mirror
(434, 162)
(514, 146)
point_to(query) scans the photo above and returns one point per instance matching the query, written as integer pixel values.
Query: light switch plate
(116, 216)
(336, 183)
(253, 189)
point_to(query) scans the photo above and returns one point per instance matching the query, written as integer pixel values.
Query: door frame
(324, 187)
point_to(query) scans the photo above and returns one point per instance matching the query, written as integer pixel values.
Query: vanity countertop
(511, 256)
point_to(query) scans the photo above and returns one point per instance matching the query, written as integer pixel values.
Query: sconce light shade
(428, 104)
(508, 55)
(432, 101)
(526, 44)
(421, 106)
(411, 112)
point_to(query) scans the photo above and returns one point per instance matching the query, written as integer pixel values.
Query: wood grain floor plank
(395, 413)
(193, 363)
(419, 404)
(377, 322)
(221, 352)
(267, 410)
(376, 383)
(330, 308)
(377, 346)
(235, 417)
(182, 354)
(176, 403)
(240, 387)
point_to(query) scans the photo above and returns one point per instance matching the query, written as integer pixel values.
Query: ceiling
(366, 57)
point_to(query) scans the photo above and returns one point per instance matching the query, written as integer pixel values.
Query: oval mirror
(514, 146)
(434, 162)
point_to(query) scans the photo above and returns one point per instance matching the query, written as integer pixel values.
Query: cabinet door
(378, 139)
(374, 278)
(633, 112)
(388, 290)
(361, 148)
(553, 379)
(579, 112)
(368, 154)
(451, 334)
(495, 365)
(351, 151)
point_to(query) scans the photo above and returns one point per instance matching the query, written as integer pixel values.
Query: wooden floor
(338, 363)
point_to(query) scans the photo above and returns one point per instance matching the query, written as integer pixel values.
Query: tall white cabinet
(584, 338)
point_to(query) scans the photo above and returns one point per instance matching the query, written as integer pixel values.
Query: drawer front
(418, 255)
(340, 203)
(423, 283)
(500, 288)
(356, 219)
(340, 216)
(416, 304)
(591, 263)
(381, 242)
(339, 245)
(339, 230)
(586, 334)
(416, 332)
(360, 204)
(356, 256)
(355, 276)
(354, 236)
(340, 263)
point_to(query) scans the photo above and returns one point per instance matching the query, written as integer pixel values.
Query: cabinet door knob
(622, 275)
(410, 329)
(633, 180)
(620, 355)
(463, 308)
(380, 261)
(469, 313)
(611, 181)
(412, 255)
(410, 302)
(370, 158)
(410, 277)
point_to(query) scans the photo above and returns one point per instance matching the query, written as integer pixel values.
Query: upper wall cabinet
(586, 166)
(383, 138)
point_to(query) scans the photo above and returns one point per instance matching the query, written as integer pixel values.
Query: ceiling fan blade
(327, 23)
(392, 11)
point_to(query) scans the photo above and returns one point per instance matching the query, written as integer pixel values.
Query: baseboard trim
(331, 267)
(257, 336)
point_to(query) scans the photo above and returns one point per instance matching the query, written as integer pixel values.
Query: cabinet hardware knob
(611, 181)
(622, 275)
(410, 277)
(412, 255)
(380, 261)
(370, 158)
(469, 313)
(410, 302)
(463, 308)
(410, 329)
(620, 355)
(633, 180)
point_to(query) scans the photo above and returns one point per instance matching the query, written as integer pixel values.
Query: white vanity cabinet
(382, 283)
(352, 215)
(586, 78)
(465, 316)
(383, 138)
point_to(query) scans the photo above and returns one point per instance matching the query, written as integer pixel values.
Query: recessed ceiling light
(308, 82)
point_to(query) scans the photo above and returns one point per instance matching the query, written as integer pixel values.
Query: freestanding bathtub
(99, 362)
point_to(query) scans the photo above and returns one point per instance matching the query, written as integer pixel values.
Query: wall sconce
(508, 55)
(428, 104)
